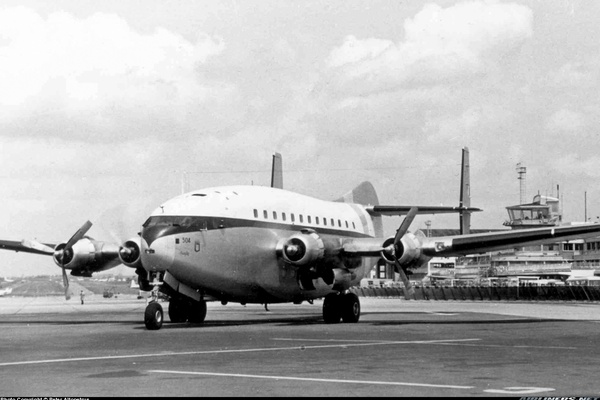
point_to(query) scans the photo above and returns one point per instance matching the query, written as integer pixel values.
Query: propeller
(64, 253)
(410, 216)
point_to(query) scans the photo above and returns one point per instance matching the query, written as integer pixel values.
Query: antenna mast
(522, 171)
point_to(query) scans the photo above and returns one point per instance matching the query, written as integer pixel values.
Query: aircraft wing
(403, 210)
(484, 242)
(445, 246)
(26, 246)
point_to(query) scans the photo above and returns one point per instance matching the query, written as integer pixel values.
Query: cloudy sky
(109, 108)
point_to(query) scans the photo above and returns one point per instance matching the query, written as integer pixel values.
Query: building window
(568, 246)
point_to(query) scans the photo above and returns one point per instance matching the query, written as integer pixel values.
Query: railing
(493, 293)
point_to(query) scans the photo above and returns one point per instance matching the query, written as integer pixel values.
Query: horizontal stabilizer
(403, 210)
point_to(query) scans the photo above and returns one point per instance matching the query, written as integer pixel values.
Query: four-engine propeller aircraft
(252, 244)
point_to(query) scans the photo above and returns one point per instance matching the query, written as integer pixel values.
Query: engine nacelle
(324, 281)
(408, 251)
(130, 253)
(87, 256)
(303, 248)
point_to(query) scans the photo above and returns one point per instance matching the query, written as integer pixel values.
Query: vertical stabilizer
(465, 193)
(277, 172)
(365, 194)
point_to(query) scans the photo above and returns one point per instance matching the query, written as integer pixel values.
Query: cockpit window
(170, 220)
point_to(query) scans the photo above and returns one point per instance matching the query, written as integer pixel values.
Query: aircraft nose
(159, 255)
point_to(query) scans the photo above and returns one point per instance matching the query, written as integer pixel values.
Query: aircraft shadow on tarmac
(427, 318)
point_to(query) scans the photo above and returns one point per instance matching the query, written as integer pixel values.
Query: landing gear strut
(153, 316)
(345, 307)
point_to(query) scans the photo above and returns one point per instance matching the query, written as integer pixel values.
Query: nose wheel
(153, 316)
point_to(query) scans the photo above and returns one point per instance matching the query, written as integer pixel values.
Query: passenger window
(309, 219)
(332, 222)
(274, 214)
(325, 221)
(255, 213)
(301, 219)
(346, 224)
(265, 214)
(339, 223)
(283, 216)
(353, 226)
(317, 220)
(293, 219)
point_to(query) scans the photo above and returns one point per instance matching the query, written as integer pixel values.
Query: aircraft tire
(331, 308)
(350, 307)
(178, 310)
(153, 316)
(197, 312)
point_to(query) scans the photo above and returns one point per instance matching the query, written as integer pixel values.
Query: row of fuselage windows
(309, 220)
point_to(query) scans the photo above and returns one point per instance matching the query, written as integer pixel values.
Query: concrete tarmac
(50, 347)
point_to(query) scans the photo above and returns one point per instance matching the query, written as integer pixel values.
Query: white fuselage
(223, 241)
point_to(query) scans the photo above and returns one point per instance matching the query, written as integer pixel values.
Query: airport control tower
(544, 211)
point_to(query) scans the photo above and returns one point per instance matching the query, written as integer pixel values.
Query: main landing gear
(180, 310)
(184, 309)
(343, 306)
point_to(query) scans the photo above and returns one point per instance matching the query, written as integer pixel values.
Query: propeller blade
(78, 235)
(409, 290)
(35, 245)
(410, 216)
(66, 283)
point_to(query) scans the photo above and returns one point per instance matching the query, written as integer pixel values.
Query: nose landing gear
(153, 316)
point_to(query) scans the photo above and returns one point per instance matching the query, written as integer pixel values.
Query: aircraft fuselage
(225, 242)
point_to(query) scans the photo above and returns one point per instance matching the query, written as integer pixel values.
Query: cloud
(574, 165)
(440, 46)
(575, 75)
(97, 69)
(566, 121)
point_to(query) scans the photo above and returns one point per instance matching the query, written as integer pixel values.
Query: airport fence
(490, 293)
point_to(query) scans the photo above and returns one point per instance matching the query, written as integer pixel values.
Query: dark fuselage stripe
(163, 225)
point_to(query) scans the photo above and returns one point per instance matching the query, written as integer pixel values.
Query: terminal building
(575, 261)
